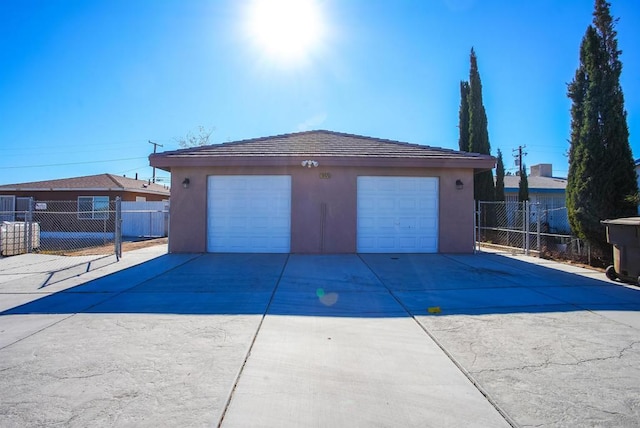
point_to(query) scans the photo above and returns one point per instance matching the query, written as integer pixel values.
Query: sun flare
(285, 30)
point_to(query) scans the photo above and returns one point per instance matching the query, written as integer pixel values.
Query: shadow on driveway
(364, 286)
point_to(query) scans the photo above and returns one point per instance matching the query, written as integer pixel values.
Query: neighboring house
(79, 204)
(547, 195)
(321, 192)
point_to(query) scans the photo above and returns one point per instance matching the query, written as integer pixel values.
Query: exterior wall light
(459, 184)
(309, 163)
(185, 183)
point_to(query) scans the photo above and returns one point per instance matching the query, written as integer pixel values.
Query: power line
(70, 163)
(40, 148)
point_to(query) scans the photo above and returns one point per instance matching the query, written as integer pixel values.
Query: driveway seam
(253, 341)
(36, 332)
(468, 375)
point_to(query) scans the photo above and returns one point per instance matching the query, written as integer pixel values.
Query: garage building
(321, 192)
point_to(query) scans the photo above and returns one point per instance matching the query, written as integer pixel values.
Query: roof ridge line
(314, 131)
(112, 178)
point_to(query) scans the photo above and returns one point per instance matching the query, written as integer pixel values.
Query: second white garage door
(397, 215)
(249, 214)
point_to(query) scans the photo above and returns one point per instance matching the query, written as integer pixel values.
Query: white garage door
(249, 214)
(397, 215)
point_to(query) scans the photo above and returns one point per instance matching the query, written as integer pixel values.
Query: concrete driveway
(339, 340)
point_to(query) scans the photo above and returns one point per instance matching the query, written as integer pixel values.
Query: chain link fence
(63, 227)
(73, 237)
(526, 227)
(73, 227)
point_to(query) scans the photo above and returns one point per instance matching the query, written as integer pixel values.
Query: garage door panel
(385, 222)
(233, 205)
(407, 242)
(407, 186)
(249, 214)
(386, 243)
(428, 186)
(368, 203)
(407, 204)
(366, 222)
(282, 203)
(397, 214)
(428, 223)
(425, 204)
(232, 184)
(258, 223)
(281, 224)
(385, 204)
(259, 204)
(366, 243)
(408, 223)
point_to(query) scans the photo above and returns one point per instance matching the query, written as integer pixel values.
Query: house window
(93, 207)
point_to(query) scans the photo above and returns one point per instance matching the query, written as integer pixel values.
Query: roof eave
(82, 189)
(477, 163)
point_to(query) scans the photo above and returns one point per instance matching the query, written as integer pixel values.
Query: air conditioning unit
(14, 237)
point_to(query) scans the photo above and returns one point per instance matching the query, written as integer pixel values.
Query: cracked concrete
(343, 340)
(578, 370)
(552, 368)
(124, 370)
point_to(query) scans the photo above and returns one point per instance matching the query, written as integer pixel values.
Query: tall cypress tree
(601, 168)
(523, 186)
(484, 188)
(463, 122)
(500, 196)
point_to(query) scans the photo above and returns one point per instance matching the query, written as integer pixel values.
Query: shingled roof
(100, 182)
(338, 147)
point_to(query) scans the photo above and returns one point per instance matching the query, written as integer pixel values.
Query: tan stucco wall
(324, 210)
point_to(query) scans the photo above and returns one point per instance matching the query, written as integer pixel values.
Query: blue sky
(84, 85)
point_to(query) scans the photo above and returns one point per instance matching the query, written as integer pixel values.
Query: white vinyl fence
(145, 219)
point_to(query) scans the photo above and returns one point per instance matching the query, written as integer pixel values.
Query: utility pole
(518, 153)
(155, 145)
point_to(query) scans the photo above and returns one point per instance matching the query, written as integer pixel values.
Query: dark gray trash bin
(624, 235)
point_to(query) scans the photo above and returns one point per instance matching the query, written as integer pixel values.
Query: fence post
(28, 224)
(479, 221)
(539, 224)
(475, 225)
(117, 239)
(25, 233)
(526, 228)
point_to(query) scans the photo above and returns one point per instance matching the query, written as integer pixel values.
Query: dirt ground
(126, 246)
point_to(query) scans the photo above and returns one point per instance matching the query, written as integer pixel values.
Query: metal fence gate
(62, 227)
(525, 227)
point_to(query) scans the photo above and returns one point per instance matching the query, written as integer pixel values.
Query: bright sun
(286, 30)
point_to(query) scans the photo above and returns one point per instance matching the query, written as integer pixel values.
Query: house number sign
(325, 175)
